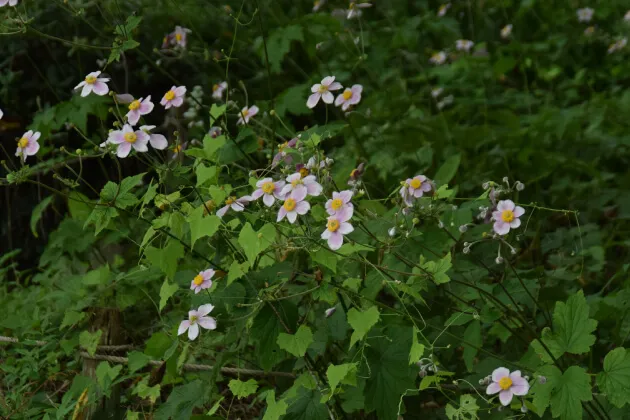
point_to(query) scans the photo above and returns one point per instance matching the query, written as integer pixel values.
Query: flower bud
(463, 228)
(524, 409)
(466, 250)
(499, 260)
(505, 179)
(392, 232)
(542, 380)
(415, 221)
(485, 185)
(520, 186)
(330, 311)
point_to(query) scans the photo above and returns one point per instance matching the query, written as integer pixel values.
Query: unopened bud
(524, 409)
(505, 179)
(542, 380)
(415, 221)
(392, 232)
(463, 228)
(330, 311)
(440, 224)
(79, 151)
(499, 260)
(272, 112)
(466, 250)
(485, 185)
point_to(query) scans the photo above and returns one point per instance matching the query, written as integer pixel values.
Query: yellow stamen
(177, 148)
(230, 200)
(347, 94)
(289, 204)
(134, 105)
(332, 225)
(215, 87)
(178, 37)
(198, 279)
(23, 142)
(353, 173)
(245, 112)
(297, 182)
(304, 172)
(507, 216)
(170, 95)
(336, 204)
(282, 146)
(505, 383)
(193, 319)
(322, 89)
(131, 137)
(268, 187)
(415, 183)
(90, 80)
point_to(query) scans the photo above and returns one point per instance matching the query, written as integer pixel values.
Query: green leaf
(166, 291)
(242, 389)
(137, 360)
(275, 409)
(236, 271)
(143, 390)
(362, 322)
(201, 226)
(326, 258)
(564, 392)
(439, 268)
(448, 170)
(89, 341)
(389, 375)
(298, 343)
(105, 375)
(97, 277)
(279, 44)
(473, 336)
(341, 374)
(157, 345)
(307, 406)
(166, 258)
(71, 318)
(467, 409)
(79, 206)
(37, 213)
(216, 111)
(182, 400)
(417, 349)
(266, 329)
(614, 381)
(572, 329)
(254, 243)
(205, 174)
(215, 407)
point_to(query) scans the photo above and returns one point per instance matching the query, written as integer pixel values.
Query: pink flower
(415, 188)
(138, 108)
(340, 204)
(127, 138)
(174, 97)
(302, 186)
(350, 96)
(214, 132)
(464, 45)
(336, 227)
(236, 204)
(282, 154)
(8, 2)
(157, 141)
(353, 9)
(246, 114)
(203, 280)
(180, 36)
(197, 318)
(93, 83)
(322, 90)
(507, 216)
(269, 191)
(218, 89)
(507, 385)
(293, 206)
(28, 145)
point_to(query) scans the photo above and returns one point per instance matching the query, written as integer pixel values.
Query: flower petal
(205, 309)
(506, 396)
(208, 323)
(493, 388)
(158, 141)
(519, 211)
(183, 326)
(328, 97)
(268, 199)
(313, 100)
(500, 373)
(335, 241)
(193, 331)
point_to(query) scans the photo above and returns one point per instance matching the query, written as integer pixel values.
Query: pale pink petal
(335, 241)
(268, 199)
(193, 331)
(208, 323)
(286, 189)
(221, 212)
(493, 388)
(180, 91)
(315, 88)
(339, 100)
(326, 234)
(262, 182)
(299, 192)
(335, 86)
(146, 106)
(345, 106)
(505, 205)
(87, 89)
(207, 274)
(312, 100)
(124, 98)
(499, 373)
(329, 208)
(501, 228)
(133, 117)
(345, 212)
(515, 223)
(35, 136)
(519, 211)
(291, 216)
(80, 85)
(31, 149)
(327, 81)
(281, 213)
(165, 103)
(158, 141)
(505, 396)
(123, 150)
(313, 188)
(205, 309)
(345, 228)
(100, 88)
(345, 195)
(183, 326)
(177, 102)
(520, 386)
(257, 194)
(302, 207)
(253, 111)
(328, 97)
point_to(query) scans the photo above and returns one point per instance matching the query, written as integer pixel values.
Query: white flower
(197, 318)
(507, 385)
(246, 114)
(585, 14)
(616, 46)
(27, 145)
(174, 97)
(443, 9)
(506, 217)
(127, 138)
(435, 92)
(236, 204)
(203, 280)
(157, 141)
(438, 58)
(626, 17)
(464, 45)
(350, 96)
(8, 3)
(218, 89)
(506, 31)
(307, 185)
(93, 83)
(336, 227)
(353, 9)
(317, 4)
(269, 191)
(138, 108)
(322, 90)
(293, 205)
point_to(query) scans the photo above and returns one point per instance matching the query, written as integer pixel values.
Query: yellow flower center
(134, 105)
(245, 112)
(193, 319)
(316, 3)
(289, 204)
(215, 87)
(90, 80)
(178, 37)
(282, 146)
(304, 172)
(230, 200)
(209, 206)
(297, 182)
(23, 142)
(198, 279)
(415, 183)
(332, 225)
(268, 187)
(177, 148)
(322, 89)
(169, 96)
(336, 204)
(505, 382)
(351, 5)
(347, 94)
(131, 137)
(507, 216)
